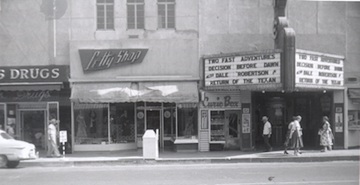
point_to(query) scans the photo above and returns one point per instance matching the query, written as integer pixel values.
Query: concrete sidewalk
(135, 157)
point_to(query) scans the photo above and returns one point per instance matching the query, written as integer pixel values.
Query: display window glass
(122, 122)
(187, 121)
(354, 119)
(140, 119)
(169, 120)
(217, 126)
(104, 123)
(91, 125)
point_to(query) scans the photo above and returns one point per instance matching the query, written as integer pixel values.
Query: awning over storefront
(354, 93)
(113, 92)
(31, 87)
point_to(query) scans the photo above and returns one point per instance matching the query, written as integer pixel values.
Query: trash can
(150, 145)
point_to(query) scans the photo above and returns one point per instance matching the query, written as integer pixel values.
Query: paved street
(326, 173)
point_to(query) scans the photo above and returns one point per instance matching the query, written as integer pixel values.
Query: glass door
(169, 126)
(153, 121)
(33, 126)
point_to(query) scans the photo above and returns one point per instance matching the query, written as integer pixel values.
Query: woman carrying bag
(326, 135)
(296, 136)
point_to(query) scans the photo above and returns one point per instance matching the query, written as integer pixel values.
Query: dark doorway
(281, 107)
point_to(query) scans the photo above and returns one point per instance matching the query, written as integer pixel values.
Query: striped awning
(116, 92)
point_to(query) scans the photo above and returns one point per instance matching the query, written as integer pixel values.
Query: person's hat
(265, 118)
(326, 118)
(298, 117)
(53, 121)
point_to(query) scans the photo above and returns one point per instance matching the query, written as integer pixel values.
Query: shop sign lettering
(221, 101)
(32, 95)
(33, 74)
(94, 60)
(243, 70)
(318, 69)
(28, 96)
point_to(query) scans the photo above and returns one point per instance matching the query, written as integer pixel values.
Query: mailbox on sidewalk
(150, 145)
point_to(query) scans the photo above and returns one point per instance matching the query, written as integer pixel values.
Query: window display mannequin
(81, 126)
(92, 122)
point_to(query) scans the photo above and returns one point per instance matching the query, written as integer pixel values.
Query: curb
(167, 161)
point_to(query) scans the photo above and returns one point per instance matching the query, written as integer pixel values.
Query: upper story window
(105, 14)
(135, 14)
(166, 14)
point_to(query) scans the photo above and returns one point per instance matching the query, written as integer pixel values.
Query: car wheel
(3, 160)
(12, 164)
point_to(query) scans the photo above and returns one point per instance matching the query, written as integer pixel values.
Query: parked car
(12, 151)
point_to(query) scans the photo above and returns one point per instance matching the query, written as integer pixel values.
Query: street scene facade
(201, 73)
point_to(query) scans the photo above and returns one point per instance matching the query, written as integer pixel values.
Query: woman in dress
(326, 135)
(296, 136)
(287, 139)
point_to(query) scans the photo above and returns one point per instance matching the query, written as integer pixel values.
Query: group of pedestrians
(294, 134)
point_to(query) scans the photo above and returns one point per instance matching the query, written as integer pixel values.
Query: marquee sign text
(319, 70)
(242, 70)
(100, 59)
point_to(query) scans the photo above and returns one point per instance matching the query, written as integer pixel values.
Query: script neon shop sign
(101, 59)
(243, 70)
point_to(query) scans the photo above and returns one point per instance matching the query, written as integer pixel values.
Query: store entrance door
(153, 121)
(233, 132)
(33, 127)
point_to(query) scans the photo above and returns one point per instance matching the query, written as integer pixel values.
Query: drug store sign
(318, 69)
(249, 69)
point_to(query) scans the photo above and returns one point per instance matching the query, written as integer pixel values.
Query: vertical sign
(246, 142)
(339, 125)
(245, 121)
(204, 119)
(339, 122)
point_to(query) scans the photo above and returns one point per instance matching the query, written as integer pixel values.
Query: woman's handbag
(331, 135)
(319, 132)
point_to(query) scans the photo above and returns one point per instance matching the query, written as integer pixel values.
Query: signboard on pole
(63, 136)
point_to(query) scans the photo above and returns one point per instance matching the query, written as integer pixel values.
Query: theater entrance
(281, 107)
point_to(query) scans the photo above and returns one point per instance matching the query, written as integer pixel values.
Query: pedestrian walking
(53, 150)
(287, 139)
(296, 136)
(326, 135)
(267, 133)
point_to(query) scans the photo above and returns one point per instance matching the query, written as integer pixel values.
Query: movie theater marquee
(242, 70)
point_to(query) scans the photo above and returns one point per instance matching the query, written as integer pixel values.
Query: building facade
(134, 66)
(34, 85)
(315, 76)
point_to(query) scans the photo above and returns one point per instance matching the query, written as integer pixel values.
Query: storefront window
(140, 118)
(122, 124)
(217, 126)
(354, 119)
(187, 121)
(169, 121)
(91, 125)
